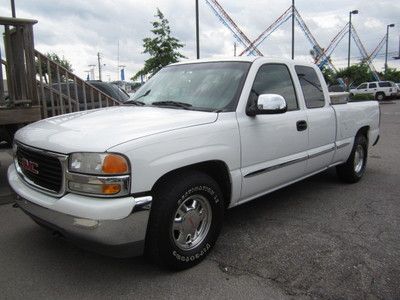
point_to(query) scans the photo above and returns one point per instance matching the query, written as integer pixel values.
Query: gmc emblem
(30, 166)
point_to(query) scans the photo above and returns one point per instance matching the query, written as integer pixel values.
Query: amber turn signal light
(111, 189)
(114, 164)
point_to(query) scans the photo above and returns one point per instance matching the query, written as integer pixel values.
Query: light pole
(197, 31)
(353, 12)
(292, 29)
(387, 42)
(13, 9)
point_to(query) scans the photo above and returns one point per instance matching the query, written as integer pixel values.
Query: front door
(274, 147)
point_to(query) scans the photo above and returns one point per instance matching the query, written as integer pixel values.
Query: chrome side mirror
(271, 104)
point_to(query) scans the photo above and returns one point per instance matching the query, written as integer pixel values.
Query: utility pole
(387, 44)
(197, 30)
(353, 12)
(99, 64)
(234, 48)
(13, 9)
(292, 29)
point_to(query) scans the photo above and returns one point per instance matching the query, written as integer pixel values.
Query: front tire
(185, 221)
(380, 96)
(354, 168)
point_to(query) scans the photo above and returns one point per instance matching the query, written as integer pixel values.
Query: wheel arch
(363, 131)
(216, 169)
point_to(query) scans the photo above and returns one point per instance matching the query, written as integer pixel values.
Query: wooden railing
(60, 91)
(3, 65)
(37, 86)
(18, 52)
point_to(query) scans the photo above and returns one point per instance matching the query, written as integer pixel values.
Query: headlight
(102, 174)
(98, 163)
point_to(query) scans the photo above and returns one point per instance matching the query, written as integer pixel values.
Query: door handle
(301, 125)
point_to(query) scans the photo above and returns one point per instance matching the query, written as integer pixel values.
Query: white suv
(379, 89)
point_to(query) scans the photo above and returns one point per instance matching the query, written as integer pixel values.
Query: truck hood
(100, 129)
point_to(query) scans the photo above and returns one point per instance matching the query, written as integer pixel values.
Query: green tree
(329, 75)
(162, 48)
(392, 75)
(356, 74)
(63, 62)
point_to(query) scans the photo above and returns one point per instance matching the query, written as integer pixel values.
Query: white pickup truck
(155, 175)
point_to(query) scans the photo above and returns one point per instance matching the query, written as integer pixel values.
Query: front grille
(43, 170)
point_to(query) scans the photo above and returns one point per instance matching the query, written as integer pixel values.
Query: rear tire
(354, 168)
(185, 221)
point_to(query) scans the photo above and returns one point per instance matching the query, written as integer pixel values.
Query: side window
(311, 87)
(384, 84)
(372, 85)
(362, 86)
(275, 79)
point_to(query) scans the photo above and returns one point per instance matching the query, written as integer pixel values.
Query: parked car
(379, 89)
(110, 89)
(337, 88)
(158, 173)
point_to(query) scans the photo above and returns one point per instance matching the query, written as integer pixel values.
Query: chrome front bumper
(115, 227)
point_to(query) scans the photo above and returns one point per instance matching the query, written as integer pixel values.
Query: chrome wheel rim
(191, 223)
(359, 159)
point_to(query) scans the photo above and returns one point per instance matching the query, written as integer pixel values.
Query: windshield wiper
(135, 102)
(172, 103)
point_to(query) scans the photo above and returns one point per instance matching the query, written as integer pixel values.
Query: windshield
(204, 86)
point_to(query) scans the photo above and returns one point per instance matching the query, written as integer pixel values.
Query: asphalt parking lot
(318, 238)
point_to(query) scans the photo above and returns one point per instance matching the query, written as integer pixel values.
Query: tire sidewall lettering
(202, 189)
(211, 195)
(192, 257)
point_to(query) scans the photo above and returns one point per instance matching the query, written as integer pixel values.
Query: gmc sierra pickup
(156, 174)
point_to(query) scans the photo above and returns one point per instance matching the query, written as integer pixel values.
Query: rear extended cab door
(321, 117)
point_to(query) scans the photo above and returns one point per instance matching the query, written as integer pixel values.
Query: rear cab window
(311, 87)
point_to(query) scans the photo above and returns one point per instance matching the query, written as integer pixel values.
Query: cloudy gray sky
(78, 29)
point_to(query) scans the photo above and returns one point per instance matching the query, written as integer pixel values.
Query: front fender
(154, 156)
